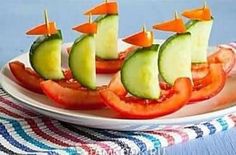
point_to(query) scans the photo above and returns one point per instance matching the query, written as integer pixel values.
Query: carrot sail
(176, 25)
(42, 29)
(88, 28)
(143, 39)
(103, 8)
(198, 14)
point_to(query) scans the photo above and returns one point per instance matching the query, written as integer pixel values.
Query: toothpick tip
(176, 15)
(46, 20)
(90, 18)
(144, 28)
(205, 4)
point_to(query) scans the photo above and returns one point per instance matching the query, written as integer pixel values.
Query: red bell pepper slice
(225, 56)
(110, 66)
(116, 85)
(29, 79)
(74, 99)
(26, 77)
(208, 86)
(211, 85)
(128, 109)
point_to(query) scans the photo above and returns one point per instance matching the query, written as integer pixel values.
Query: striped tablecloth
(26, 132)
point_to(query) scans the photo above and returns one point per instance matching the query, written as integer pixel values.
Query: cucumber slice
(200, 32)
(139, 73)
(45, 56)
(175, 58)
(82, 61)
(107, 36)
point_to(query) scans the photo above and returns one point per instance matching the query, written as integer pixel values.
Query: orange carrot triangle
(103, 8)
(43, 29)
(176, 25)
(143, 39)
(198, 14)
(89, 28)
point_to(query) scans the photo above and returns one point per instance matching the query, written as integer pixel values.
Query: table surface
(18, 15)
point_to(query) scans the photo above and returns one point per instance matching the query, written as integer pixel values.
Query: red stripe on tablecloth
(44, 135)
(13, 105)
(233, 117)
(170, 139)
(64, 134)
(37, 130)
(49, 126)
(9, 113)
(184, 136)
(34, 127)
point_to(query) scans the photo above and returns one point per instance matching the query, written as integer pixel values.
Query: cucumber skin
(86, 82)
(108, 49)
(40, 40)
(162, 48)
(199, 55)
(141, 92)
(44, 38)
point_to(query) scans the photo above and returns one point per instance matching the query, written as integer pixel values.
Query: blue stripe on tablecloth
(196, 129)
(223, 124)
(156, 142)
(211, 127)
(20, 131)
(5, 134)
(124, 146)
(142, 146)
(6, 150)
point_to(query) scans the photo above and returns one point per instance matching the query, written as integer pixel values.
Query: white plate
(220, 105)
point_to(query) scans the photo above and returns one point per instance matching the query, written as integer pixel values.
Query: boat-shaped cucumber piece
(200, 31)
(107, 36)
(45, 56)
(139, 73)
(175, 58)
(82, 61)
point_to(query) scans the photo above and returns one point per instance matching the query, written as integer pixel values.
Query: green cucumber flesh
(139, 73)
(107, 36)
(200, 32)
(45, 56)
(175, 58)
(82, 61)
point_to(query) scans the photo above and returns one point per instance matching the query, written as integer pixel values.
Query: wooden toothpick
(176, 15)
(144, 28)
(90, 18)
(46, 21)
(205, 4)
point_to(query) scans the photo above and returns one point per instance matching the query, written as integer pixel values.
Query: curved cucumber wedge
(200, 32)
(139, 73)
(45, 56)
(82, 61)
(175, 58)
(107, 36)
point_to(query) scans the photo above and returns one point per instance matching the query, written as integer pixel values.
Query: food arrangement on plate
(149, 80)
